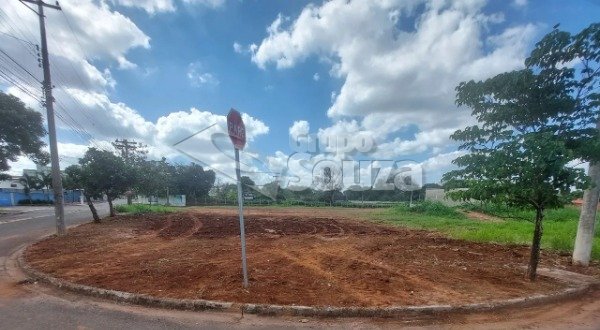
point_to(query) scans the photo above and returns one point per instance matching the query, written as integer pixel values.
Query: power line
(17, 38)
(85, 56)
(23, 39)
(20, 66)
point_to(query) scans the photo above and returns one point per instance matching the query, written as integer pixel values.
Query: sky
(340, 82)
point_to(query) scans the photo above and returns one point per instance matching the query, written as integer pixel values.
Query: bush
(567, 213)
(431, 208)
(35, 202)
(144, 208)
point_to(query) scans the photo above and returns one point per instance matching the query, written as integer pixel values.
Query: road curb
(578, 286)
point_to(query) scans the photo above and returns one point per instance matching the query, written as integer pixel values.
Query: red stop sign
(236, 129)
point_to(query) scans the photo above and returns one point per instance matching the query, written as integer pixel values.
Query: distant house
(12, 183)
(579, 202)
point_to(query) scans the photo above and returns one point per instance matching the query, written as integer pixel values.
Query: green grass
(144, 208)
(560, 226)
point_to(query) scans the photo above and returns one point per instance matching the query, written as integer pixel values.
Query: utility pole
(59, 211)
(125, 147)
(587, 218)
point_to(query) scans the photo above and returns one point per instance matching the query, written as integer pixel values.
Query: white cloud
(437, 165)
(150, 6)
(298, 128)
(410, 75)
(109, 35)
(316, 77)
(208, 3)
(212, 146)
(238, 48)
(423, 141)
(198, 77)
(520, 3)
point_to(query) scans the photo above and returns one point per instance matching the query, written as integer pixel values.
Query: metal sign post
(241, 211)
(237, 133)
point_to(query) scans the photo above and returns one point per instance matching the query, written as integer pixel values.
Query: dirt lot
(296, 256)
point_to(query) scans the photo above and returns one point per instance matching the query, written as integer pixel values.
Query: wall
(11, 196)
(174, 200)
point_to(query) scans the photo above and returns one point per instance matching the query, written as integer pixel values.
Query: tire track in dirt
(290, 260)
(315, 267)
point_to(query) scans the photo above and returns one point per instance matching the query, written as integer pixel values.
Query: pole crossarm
(42, 3)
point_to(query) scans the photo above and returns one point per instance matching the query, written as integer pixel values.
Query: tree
(248, 186)
(193, 181)
(518, 153)
(75, 178)
(273, 191)
(154, 178)
(21, 132)
(560, 56)
(45, 180)
(105, 173)
(29, 182)
(330, 182)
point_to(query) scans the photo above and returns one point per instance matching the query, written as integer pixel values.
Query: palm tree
(45, 180)
(26, 181)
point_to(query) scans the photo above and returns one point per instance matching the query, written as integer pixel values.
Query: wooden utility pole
(126, 147)
(59, 211)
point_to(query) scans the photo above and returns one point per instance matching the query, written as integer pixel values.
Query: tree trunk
(92, 208)
(534, 257)
(110, 206)
(587, 218)
(129, 200)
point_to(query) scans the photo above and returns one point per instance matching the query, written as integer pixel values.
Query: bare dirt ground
(297, 256)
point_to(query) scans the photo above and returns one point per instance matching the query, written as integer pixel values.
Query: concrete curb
(579, 285)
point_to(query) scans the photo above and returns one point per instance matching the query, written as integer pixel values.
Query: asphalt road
(25, 305)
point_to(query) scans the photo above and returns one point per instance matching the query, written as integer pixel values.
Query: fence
(351, 204)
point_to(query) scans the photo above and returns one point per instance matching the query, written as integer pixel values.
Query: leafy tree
(75, 178)
(248, 185)
(29, 183)
(105, 173)
(518, 151)
(575, 60)
(154, 178)
(45, 181)
(273, 191)
(193, 181)
(21, 132)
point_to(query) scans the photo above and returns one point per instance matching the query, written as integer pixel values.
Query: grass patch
(560, 225)
(144, 208)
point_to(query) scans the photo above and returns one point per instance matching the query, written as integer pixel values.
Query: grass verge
(144, 208)
(560, 225)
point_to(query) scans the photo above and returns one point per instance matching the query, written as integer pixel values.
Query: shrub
(431, 208)
(143, 208)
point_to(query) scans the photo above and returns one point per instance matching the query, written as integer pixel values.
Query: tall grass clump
(144, 208)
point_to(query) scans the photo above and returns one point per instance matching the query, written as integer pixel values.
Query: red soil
(295, 256)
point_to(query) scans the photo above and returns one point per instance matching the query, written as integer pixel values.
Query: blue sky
(156, 70)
